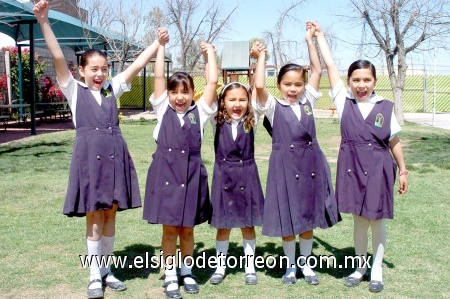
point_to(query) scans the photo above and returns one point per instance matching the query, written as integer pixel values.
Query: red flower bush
(50, 92)
(3, 89)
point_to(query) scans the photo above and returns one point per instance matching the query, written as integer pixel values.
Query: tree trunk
(398, 104)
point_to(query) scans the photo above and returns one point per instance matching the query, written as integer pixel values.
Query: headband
(226, 86)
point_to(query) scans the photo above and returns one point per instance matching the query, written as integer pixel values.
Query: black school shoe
(175, 294)
(352, 282)
(216, 278)
(312, 280)
(189, 288)
(115, 286)
(376, 286)
(251, 279)
(289, 280)
(95, 293)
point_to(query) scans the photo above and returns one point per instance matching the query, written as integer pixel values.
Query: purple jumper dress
(237, 197)
(176, 192)
(299, 195)
(102, 171)
(366, 170)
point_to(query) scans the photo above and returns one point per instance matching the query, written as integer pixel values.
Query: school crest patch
(106, 93)
(379, 120)
(307, 109)
(192, 118)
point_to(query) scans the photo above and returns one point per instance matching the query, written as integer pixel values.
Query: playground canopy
(18, 21)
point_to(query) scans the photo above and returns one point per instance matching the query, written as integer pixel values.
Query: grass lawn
(40, 248)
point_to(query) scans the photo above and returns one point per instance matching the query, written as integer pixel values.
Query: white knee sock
(94, 252)
(170, 272)
(107, 249)
(305, 251)
(361, 225)
(289, 252)
(249, 252)
(186, 269)
(221, 253)
(378, 247)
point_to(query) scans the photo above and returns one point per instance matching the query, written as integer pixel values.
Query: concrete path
(441, 120)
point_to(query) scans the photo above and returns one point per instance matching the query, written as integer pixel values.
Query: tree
(399, 27)
(195, 20)
(122, 21)
(154, 20)
(277, 39)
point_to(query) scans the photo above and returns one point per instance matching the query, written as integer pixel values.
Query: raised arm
(258, 52)
(210, 94)
(332, 70)
(144, 58)
(397, 152)
(160, 80)
(316, 69)
(41, 10)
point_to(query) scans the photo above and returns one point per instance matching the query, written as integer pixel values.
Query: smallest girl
(237, 197)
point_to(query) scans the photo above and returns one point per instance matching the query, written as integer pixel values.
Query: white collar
(236, 122)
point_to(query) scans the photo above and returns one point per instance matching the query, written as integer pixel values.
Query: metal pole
(434, 88)
(424, 89)
(20, 76)
(33, 82)
(144, 87)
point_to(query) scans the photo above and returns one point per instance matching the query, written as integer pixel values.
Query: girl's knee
(289, 238)
(95, 217)
(307, 235)
(248, 233)
(223, 234)
(170, 232)
(187, 233)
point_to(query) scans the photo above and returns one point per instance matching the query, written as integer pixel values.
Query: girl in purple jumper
(366, 171)
(299, 195)
(102, 176)
(176, 193)
(237, 196)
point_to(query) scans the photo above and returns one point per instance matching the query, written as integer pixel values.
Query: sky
(253, 17)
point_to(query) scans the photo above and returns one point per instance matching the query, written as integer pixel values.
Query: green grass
(39, 247)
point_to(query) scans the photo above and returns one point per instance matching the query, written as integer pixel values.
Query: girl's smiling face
(95, 72)
(181, 98)
(362, 83)
(292, 85)
(236, 103)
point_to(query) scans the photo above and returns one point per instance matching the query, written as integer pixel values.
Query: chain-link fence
(419, 95)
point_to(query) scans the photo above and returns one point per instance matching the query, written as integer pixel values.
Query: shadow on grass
(342, 268)
(337, 270)
(139, 258)
(4, 150)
